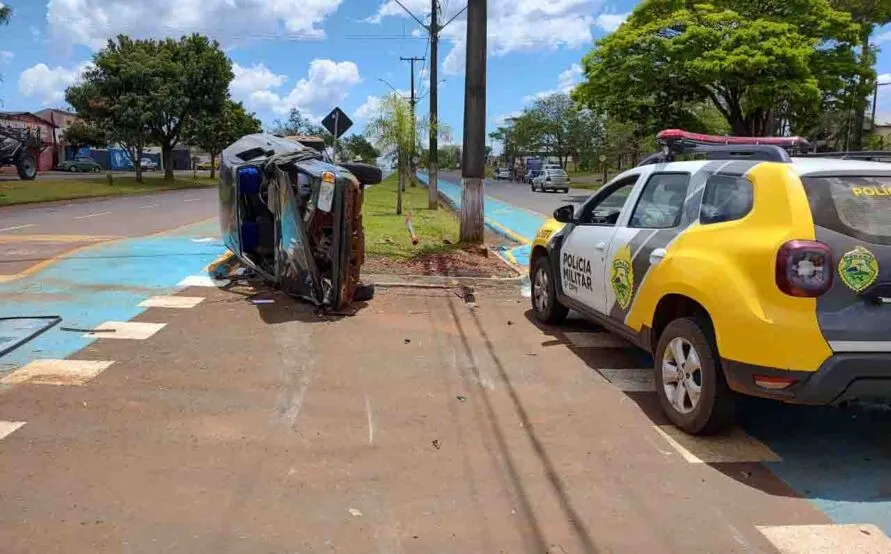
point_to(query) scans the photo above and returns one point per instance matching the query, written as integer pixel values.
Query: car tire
(532, 187)
(714, 406)
(545, 305)
(72, 169)
(566, 191)
(26, 167)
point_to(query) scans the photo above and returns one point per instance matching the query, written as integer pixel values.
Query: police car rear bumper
(842, 377)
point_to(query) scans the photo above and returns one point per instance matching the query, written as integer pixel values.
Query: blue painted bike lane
(516, 223)
(839, 461)
(105, 282)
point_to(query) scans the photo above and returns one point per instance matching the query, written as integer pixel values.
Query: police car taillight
(804, 268)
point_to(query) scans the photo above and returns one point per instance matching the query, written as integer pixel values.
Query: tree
(297, 124)
(358, 147)
(213, 133)
(869, 14)
(392, 130)
(189, 79)
(114, 95)
(5, 14)
(80, 134)
(755, 62)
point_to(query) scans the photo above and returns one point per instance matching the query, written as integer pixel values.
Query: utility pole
(473, 165)
(433, 148)
(414, 124)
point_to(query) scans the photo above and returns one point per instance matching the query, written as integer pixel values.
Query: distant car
(148, 164)
(82, 164)
(207, 165)
(502, 173)
(551, 179)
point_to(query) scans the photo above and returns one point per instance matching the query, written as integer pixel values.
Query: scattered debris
(436, 444)
(469, 294)
(79, 330)
(411, 228)
(461, 398)
(746, 474)
(263, 301)
(407, 341)
(509, 322)
(354, 512)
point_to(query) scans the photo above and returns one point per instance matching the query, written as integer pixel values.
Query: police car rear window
(856, 206)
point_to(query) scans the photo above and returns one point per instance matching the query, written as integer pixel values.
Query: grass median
(48, 189)
(386, 234)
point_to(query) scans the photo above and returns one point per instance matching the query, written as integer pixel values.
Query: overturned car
(295, 218)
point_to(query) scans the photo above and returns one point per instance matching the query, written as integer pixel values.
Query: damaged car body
(295, 218)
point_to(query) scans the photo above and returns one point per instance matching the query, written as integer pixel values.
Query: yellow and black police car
(749, 271)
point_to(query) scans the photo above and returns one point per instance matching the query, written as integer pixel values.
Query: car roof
(802, 166)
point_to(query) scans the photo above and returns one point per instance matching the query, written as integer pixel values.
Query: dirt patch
(456, 262)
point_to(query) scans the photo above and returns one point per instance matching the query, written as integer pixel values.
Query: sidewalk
(511, 221)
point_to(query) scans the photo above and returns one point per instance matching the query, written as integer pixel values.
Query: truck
(533, 169)
(20, 148)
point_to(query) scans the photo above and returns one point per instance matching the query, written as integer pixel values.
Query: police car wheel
(689, 381)
(545, 305)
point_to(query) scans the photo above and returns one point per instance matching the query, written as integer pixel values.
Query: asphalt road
(10, 175)
(520, 194)
(35, 233)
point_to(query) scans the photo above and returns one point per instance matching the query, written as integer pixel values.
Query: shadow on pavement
(556, 483)
(835, 457)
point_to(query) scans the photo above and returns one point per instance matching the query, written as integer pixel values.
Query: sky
(314, 55)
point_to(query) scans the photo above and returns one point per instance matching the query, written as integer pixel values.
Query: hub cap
(681, 375)
(540, 290)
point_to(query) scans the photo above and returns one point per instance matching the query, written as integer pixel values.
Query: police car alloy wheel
(690, 383)
(545, 305)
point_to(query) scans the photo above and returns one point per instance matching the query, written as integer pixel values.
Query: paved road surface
(420, 425)
(10, 175)
(32, 234)
(520, 195)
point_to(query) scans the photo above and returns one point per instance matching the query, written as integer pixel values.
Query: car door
(655, 218)
(583, 253)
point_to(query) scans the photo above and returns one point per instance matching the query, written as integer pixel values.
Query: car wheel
(532, 187)
(545, 304)
(566, 191)
(97, 169)
(26, 167)
(689, 380)
(72, 169)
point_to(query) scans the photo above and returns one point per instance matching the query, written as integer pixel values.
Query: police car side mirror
(564, 214)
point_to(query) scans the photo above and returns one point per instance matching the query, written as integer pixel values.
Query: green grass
(49, 189)
(386, 234)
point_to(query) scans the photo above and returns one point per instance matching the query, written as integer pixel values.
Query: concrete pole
(473, 166)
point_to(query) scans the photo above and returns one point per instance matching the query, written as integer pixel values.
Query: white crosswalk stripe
(630, 380)
(735, 446)
(57, 372)
(601, 339)
(128, 330)
(827, 539)
(9, 427)
(181, 302)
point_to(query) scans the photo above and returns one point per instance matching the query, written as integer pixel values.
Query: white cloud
(48, 85)
(502, 119)
(6, 57)
(884, 78)
(256, 78)
(883, 37)
(326, 85)
(566, 81)
(609, 22)
(513, 26)
(92, 22)
(36, 33)
(369, 109)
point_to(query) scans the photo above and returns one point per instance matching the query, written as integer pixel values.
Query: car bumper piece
(842, 377)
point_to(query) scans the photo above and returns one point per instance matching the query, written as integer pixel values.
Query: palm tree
(391, 131)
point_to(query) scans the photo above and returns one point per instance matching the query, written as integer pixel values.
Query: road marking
(9, 427)
(55, 238)
(631, 380)
(370, 422)
(735, 446)
(601, 339)
(18, 227)
(148, 206)
(126, 330)
(181, 302)
(57, 372)
(202, 281)
(92, 215)
(191, 199)
(826, 539)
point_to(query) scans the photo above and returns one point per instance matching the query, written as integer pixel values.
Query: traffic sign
(337, 122)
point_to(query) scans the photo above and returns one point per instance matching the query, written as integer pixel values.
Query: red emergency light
(669, 136)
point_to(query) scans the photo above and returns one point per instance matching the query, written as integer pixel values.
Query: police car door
(655, 216)
(582, 257)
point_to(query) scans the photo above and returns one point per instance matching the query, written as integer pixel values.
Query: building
(62, 119)
(45, 129)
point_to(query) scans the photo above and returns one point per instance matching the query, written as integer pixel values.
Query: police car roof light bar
(675, 142)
